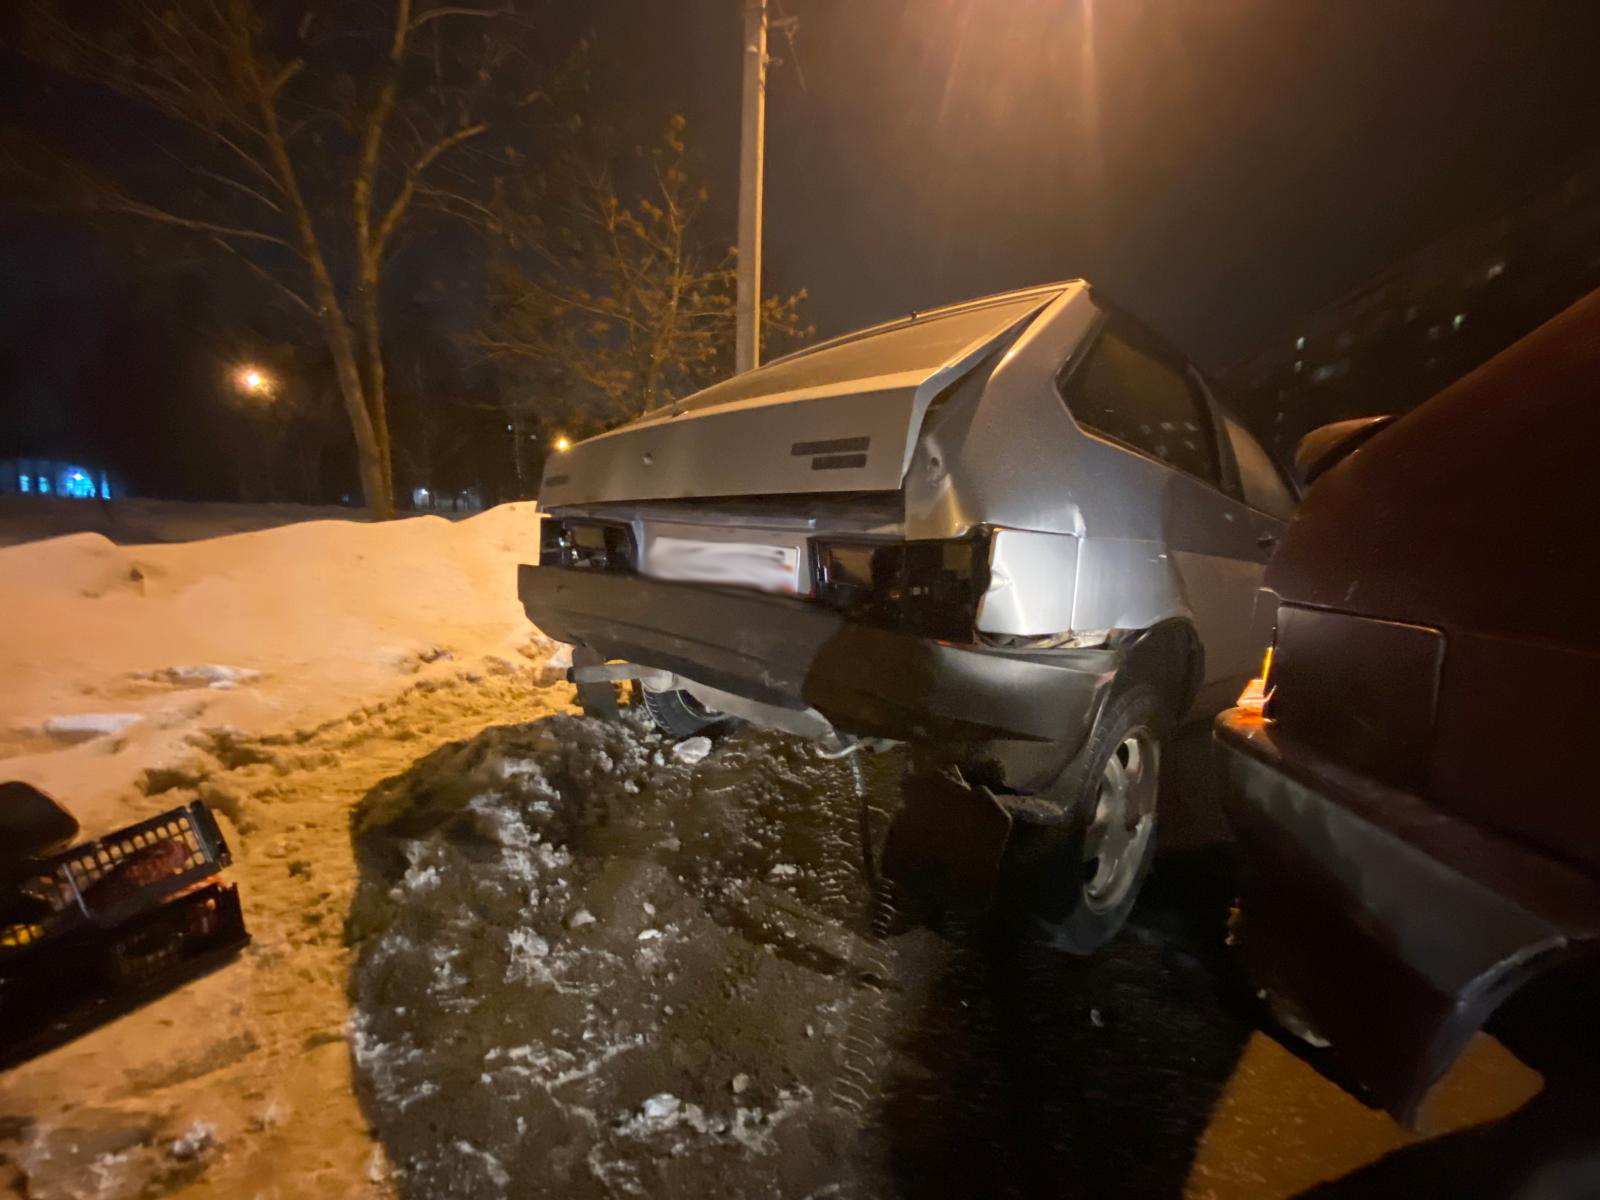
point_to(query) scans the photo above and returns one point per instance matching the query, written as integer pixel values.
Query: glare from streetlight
(253, 381)
(563, 444)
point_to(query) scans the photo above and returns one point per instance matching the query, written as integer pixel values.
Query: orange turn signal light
(1259, 690)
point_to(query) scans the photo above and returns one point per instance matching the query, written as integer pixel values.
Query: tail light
(927, 588)
(586, 545)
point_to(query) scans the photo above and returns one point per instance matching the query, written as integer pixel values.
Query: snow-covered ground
(116, 658)
(503, 950)
(279, 675)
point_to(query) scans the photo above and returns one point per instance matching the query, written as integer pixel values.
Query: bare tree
(606, 307)
(301, 137)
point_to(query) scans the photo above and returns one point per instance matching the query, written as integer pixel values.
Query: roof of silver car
(1041, 290)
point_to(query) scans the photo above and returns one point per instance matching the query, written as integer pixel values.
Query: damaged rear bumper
(1392, 927)
(794, 654)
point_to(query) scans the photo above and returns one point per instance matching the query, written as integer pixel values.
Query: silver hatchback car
(1018, 533)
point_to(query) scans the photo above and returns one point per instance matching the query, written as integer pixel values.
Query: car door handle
(1267, 541)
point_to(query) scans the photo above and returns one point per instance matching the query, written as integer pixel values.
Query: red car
(1416, 798)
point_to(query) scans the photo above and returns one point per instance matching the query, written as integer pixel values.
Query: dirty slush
(590, 965)
(592, 962)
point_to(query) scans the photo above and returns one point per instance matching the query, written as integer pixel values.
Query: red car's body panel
(1417, 808)
(1478, 515)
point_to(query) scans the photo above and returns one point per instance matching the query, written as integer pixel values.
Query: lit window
(1331, 370)
(25, 482)
(105, 486)
(75, 482)
(44, 483)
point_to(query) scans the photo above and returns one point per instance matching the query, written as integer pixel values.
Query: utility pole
(752, 165)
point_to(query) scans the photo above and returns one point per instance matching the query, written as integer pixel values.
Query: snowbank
(140, 521)
(111, 656)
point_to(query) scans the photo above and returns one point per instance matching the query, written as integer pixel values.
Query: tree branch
(135, 208)
(282, 78)
(268, 276)
(466, 208)
(245, 188)
(372, 136)
(408, 189)
(452, 10)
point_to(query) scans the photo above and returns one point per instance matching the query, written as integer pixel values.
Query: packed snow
(137, 521)
(83, 726)
(692, 750)
(278, 675)
(114, 657)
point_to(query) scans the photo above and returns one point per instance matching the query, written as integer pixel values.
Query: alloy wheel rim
(1123, 821)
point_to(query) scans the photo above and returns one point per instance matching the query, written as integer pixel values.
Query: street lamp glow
(253, 380)
(563, 444)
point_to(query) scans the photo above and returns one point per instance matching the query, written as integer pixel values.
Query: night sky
(1220, 166)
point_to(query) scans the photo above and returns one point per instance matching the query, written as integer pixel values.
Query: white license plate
(733, 564)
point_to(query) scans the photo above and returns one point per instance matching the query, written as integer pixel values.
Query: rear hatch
(841, 417)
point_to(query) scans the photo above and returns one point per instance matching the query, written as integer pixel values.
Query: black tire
(677, 713)
(1075, 898)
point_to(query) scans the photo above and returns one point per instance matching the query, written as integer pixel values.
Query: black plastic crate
(104, 881)
(102, 928)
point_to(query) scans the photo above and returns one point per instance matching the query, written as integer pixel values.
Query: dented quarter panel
(1152, 544)
(1032, 580)
(998, 455)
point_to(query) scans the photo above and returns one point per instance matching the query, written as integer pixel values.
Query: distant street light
(253, 381)
(563, 444)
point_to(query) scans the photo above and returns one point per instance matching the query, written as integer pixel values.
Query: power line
(791, 29)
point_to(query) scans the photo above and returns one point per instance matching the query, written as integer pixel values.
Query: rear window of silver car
(920, 345)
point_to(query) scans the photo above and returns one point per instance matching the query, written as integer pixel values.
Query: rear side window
(1264, 488)
(1145, 402)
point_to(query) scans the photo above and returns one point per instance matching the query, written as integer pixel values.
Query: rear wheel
(1081, 889)
(677, 713)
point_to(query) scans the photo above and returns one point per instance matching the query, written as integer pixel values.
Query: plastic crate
(105, 881)
(97, 930)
